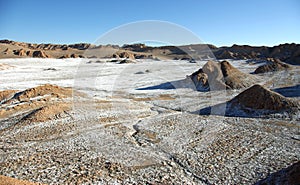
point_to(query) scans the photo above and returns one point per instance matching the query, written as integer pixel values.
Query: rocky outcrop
(73, 55)
(215, 76)
(79, 46)
(259, 98)
(127, 55)
(143, 56)
(225, 54)
(234, 78)
(76, 56)
(221, 76)
(136, 47)
(7, 51)
(256, 101)
(20, 52)
(272, 65)
(48, 112)
(200, 79)
(6, 94)
(65, 56)
(288, 53)
(42, 90)
(39, 54)
(41, 103)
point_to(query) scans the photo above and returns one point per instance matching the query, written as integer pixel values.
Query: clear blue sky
(219, 22)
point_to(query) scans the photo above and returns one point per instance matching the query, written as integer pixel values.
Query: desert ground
(94, 121)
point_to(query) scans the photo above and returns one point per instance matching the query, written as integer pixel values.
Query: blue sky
(219, 22)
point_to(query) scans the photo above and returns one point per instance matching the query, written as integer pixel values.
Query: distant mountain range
(289, 53)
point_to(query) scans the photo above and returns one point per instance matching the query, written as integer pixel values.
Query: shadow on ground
(292, 91)
(289, 175)
(177, 84)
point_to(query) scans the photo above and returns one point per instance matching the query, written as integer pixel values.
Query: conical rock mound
(257, 100)
(234, 78)
(221, 76)
(258, 97)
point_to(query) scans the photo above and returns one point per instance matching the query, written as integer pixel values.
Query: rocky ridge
(288, 53)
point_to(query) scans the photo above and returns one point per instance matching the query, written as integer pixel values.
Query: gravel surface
(117, 134)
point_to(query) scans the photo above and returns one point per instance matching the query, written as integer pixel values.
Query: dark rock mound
(200, 79)
(124, 54)
(20, 52)
(234, 78)
(257, 101)
(76, 56)
(221, 76)
(258, 97)
(271, 66)
(126, 61)
(225, 54)
(143, 56)
(39, 54)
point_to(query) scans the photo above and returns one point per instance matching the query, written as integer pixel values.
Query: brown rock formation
(200, 79)
(256, 101)
(39, 54)
(6, 94)
(7, 51)
(124, 54)
(215, 76)
(127, 55)
(234, 78)
(226, 55)
(29, 53)
(76, 56)
(259, 98)
(289, 53)
(272, 66)
(48, 112)
(221, 76)
(41, 103)
(42, 90)
(20, 52)
(65, 56)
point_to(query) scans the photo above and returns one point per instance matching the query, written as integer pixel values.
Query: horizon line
(183, 44)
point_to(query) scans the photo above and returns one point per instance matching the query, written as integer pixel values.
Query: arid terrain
(288, 53)
(149, 115)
